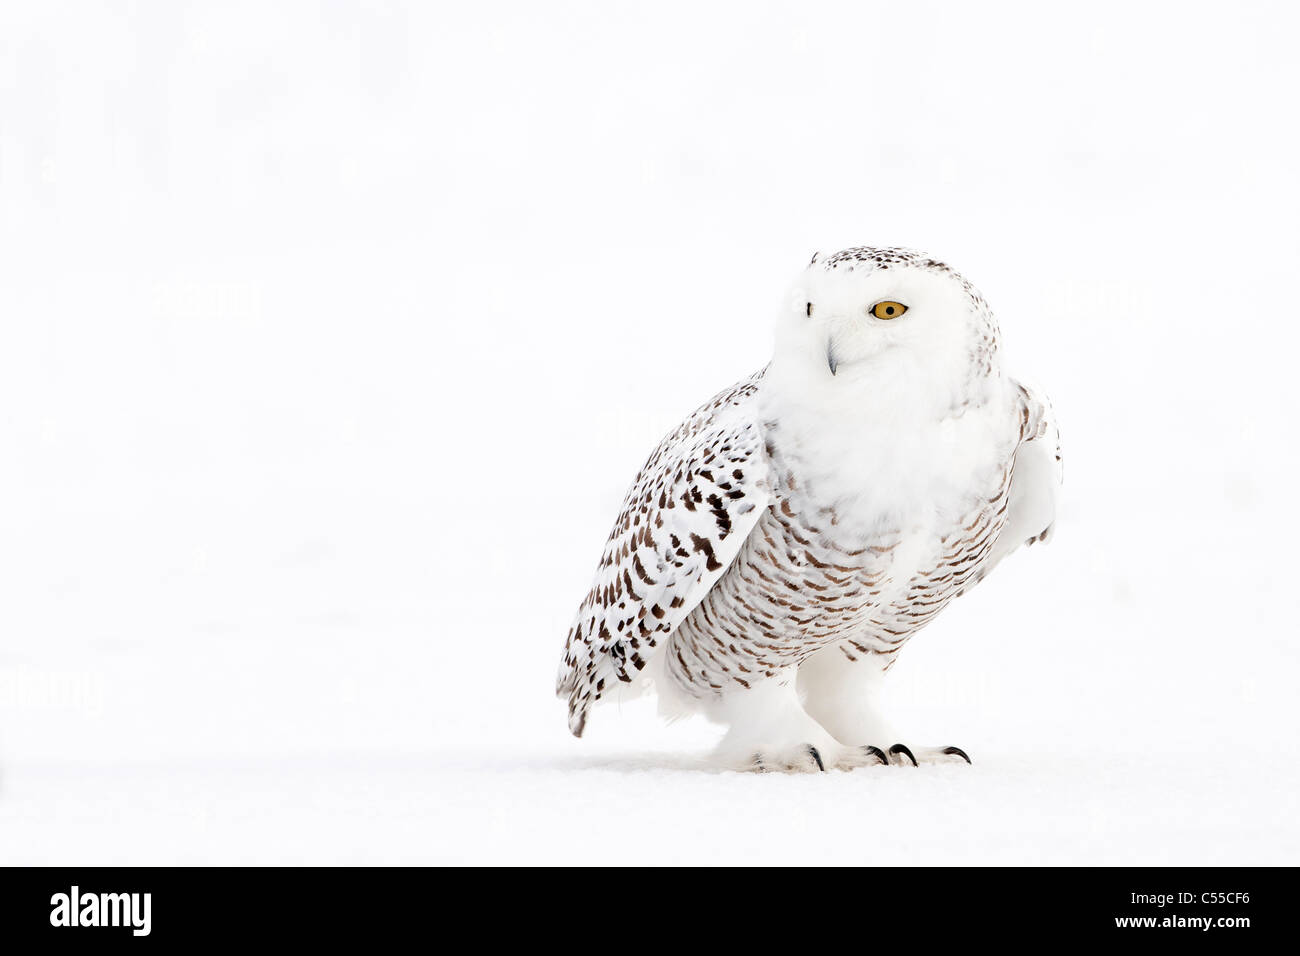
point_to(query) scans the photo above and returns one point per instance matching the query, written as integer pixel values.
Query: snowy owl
(781, 545)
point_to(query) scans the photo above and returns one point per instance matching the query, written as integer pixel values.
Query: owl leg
(843, 695)
(841, 690)
(769, 730)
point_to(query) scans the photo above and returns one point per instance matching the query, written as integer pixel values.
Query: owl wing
(1035, 475)
(684, 520)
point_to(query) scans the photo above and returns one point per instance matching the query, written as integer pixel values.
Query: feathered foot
(803, 758)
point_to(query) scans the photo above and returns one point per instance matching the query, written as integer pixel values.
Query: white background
(333, 334)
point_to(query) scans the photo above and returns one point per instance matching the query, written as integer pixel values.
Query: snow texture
(333, 336)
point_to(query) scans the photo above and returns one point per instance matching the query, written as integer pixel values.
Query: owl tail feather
(579, 704)
(575, 682)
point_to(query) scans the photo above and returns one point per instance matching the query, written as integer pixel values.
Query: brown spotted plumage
(690, 509)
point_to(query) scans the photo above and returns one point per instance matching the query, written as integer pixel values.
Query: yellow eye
(888, 310)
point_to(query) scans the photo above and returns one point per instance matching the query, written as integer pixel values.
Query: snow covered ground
(332, 338)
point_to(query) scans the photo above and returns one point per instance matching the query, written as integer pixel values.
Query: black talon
(958, 752)
(902, 749)
(812, 752)
(877, 753)
(758, 762)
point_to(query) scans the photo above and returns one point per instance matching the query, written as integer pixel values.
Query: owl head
(884, 317)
